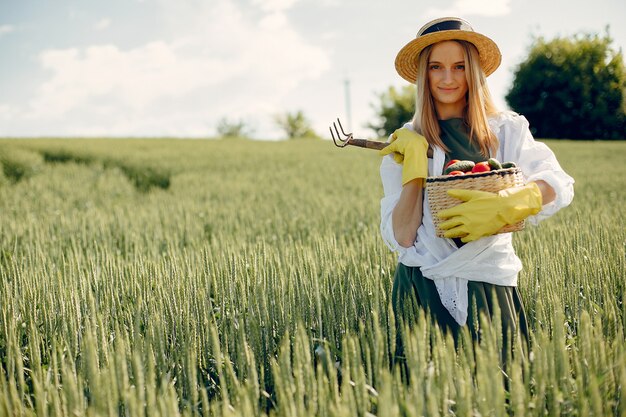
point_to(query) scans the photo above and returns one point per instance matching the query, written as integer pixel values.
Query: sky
(175, 68)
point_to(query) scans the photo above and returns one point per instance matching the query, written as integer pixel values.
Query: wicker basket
(492, 181)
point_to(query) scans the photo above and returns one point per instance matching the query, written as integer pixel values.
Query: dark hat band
(445, 29)
(447, 25)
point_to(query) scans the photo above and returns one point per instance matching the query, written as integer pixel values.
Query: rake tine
(342, 143)
(333, 136)
(344, 133)
(337, 131)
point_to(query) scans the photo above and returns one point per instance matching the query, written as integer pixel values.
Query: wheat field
(165, 277)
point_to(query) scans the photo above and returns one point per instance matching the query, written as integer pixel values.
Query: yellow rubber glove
(409, 149)
(484, 213)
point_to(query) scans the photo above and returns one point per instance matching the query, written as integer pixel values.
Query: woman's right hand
(410, 150)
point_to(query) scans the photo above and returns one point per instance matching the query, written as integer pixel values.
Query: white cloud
(488, 8)
(102, 24)
(134, 77)
(224, 63)
(6, 111)
(274, 5)
(4, 29)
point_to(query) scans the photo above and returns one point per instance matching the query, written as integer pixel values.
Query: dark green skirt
(412, 291)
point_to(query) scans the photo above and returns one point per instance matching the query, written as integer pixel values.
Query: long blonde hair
(478, 107)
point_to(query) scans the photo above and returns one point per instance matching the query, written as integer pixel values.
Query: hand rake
(349, 139)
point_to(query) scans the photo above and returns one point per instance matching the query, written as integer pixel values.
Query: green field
(245, 278)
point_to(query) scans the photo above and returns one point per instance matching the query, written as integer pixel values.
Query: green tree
(572, 88)
(394, 109)
(295, 125)
(227, 128)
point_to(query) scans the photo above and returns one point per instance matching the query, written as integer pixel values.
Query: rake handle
(369, 144)
(372, 144)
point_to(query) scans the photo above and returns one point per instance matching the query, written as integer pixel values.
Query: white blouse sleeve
(391, 176)
(538, 162)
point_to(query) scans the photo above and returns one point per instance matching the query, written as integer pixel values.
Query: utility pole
(348, 109)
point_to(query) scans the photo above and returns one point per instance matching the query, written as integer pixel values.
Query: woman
(472, 269)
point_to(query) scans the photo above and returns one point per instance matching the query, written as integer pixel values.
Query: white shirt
(490, 259)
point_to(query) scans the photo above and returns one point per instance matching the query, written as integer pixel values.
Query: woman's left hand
(484, 213)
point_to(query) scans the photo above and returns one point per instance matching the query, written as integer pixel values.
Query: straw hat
(446, 28)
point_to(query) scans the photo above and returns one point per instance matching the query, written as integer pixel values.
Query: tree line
(294, 125)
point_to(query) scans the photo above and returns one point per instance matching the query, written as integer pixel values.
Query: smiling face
(447, 80)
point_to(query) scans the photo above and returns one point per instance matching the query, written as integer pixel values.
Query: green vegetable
(460, 166)
(509, 165)
(494, 163)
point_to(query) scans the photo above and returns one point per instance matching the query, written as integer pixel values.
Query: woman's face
(446, 79)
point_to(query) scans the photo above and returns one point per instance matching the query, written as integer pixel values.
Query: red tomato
(456, 173)
(452, 161)
(481, 167)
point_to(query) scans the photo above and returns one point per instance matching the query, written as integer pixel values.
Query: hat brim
(488, 51)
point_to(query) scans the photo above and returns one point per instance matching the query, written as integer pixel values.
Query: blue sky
(174, 68)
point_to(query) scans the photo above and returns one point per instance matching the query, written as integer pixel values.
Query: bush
(61, 155)
(18, 164)
(3, 179)
(233, 129)
(144, 177)
(572, 88)
(295, 125)
(396, 107)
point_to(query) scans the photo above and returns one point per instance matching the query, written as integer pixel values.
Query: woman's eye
(460, 67)
(434, 67)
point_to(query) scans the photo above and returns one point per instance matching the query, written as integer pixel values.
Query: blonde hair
(478, 108)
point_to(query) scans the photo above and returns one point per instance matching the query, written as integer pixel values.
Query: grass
(256, 283)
